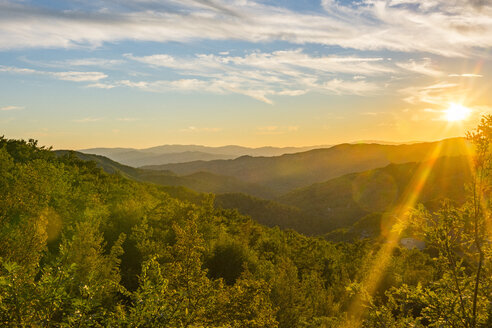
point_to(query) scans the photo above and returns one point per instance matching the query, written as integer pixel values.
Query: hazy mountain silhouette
(186, 153)
(286, 172)
(167, 154)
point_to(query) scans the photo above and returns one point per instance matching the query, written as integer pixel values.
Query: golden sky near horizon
(281, 73)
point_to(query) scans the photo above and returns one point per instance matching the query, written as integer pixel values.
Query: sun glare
(456, 112)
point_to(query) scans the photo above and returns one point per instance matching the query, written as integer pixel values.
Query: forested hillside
(290, 171)
(270, 213)
(80, 247)
(83, 248)
(341, 201)
(199, 181)
(319, 208)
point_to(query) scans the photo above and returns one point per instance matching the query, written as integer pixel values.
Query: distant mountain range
(284, 173)
(186, 153)
(167, 154)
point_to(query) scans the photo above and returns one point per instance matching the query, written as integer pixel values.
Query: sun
(456, 112)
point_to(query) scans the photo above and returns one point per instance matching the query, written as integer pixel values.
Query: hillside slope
(353, 203)
(83, 248)
(268, 212)
(342, 201)
(290, 171)
(318, 208)
(200, 181)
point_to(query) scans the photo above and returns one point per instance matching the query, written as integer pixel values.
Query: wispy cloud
(449, 28)
(97, 62)
(273, 129)
(200, 129)
(436, 94)
(74, 76)
(88, 119)
(79, 76)
(424, 66)
(254, 88)
(465, 75)
(286, 60)
(340, 87)
(101, 85)
(128, 119)
(9, 108)
(262, 75)
(78, 62)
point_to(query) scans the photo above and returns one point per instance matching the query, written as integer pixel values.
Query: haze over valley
(330, 188)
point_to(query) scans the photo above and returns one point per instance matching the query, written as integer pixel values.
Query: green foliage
(80, 247)
(227, 261)
(269, 213)
(83, 248)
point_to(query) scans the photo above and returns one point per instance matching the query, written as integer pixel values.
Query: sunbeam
(398, 221)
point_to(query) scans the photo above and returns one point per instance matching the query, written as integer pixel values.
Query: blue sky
(78, 74)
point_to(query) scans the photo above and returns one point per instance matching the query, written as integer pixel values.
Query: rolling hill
(268, 212)
(351, 206)
(342, 201)
(199, 181)
(290, 171)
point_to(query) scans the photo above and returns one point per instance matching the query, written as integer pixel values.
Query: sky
(140, 73)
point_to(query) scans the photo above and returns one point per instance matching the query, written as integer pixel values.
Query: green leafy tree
(247, 304)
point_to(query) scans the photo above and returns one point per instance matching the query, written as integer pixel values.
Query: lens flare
(456, 112)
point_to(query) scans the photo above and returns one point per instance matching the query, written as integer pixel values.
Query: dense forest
(80, 247)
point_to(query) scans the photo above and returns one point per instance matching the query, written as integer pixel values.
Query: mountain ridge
(165, 154)
(179, 153)
(290, 171)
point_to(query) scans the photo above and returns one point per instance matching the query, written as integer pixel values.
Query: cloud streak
(10, 108)
(448, 28)
(436, 94)
(261, 75)
(195, 129)
(275, 130)
(88, 119)
(424, 67)
(280, 61)
(465, 75)
(74, 76)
